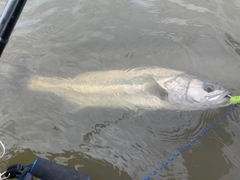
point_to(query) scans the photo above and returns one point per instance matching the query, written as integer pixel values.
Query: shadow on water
(207, 160)
(99, 127)
(200, 160)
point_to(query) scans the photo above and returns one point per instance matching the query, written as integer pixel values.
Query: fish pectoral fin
(155, 89)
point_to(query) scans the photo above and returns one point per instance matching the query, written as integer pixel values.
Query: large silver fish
(139, 88)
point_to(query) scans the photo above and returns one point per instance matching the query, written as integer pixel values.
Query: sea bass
(139, 88)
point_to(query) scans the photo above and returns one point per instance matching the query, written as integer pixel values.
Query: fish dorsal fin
(152, 87)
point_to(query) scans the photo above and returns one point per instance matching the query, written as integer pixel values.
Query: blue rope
(189, 143)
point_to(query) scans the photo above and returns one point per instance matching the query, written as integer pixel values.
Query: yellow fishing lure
(235, 99)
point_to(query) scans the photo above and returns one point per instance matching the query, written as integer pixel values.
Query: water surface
(66, 38)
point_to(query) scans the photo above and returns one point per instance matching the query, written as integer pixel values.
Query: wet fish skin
(139, 88)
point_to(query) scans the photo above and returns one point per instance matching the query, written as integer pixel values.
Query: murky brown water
(66, 38)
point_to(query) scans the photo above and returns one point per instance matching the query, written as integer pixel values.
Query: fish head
(191, 92)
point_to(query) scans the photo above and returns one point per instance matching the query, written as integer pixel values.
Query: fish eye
(209, 88)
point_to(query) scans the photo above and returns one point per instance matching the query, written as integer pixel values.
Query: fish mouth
(228, 96)
(224, 95)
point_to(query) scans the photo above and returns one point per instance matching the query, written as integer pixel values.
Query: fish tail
(38, 83)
